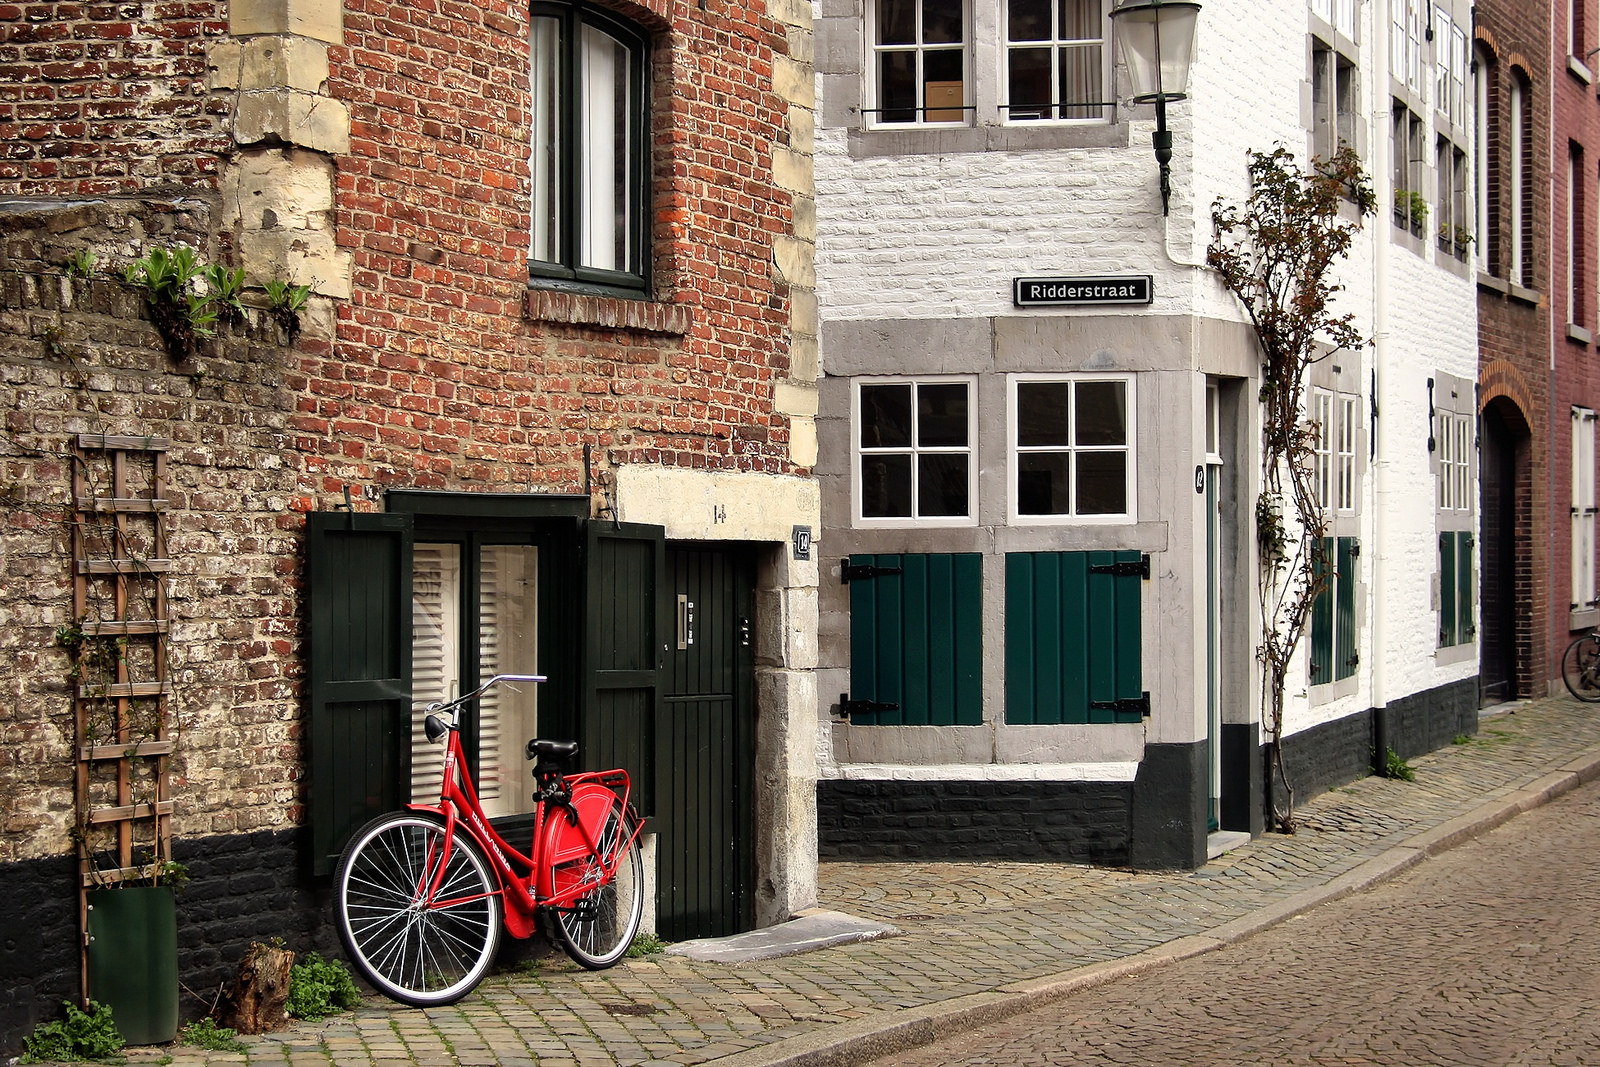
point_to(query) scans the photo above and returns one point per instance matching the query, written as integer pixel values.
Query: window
(1333, 100)
(1334, 458)
(1071, 448)
(1333, 611)
(1054, 60)
(474, 607)
(1340, 14)
(1455, 446)
(914, 449)
(1410, 166)
(919, 61)
(1584, 595)
(1576, 34)
(1073, 637)
(1454, 226)
(1406, 22)
(1521, 161)
(1450, 71)
(588, 148)
(1577, 247)
(1486, 155)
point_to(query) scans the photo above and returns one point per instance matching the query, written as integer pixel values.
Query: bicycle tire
(599, 933)
(1580, 668)
(423, 956)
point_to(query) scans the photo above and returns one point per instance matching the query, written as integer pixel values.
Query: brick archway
(1510, 642)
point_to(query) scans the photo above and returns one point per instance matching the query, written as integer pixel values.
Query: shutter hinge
(1125, 568)
(848, 707)
(1355, 547)
(852, 572)
(1140, 703)
(1468, 540)
(1354, 660)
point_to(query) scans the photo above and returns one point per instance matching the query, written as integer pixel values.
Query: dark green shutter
(1073, 638)
(1344, 610)
(1322, 615)
(625, 626)
(1448, 616)
(916, 640)
(1466, 627)
(359, 599)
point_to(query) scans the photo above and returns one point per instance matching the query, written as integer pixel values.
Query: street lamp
(1157, 43)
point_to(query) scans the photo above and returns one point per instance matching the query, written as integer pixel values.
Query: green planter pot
(133, 961)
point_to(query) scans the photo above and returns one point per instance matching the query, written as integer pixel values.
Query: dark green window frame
(565, 207)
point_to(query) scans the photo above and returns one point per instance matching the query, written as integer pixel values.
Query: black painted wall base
(1243, 781)
(1169, 808)
(1080, 822)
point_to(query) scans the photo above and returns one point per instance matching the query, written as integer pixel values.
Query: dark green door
(705, 746)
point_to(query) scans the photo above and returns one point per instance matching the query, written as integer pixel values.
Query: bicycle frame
(566, 831)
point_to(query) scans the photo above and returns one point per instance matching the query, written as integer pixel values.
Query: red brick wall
(1513, 328)
(1576, 116)
(103, 98)
(444, 372)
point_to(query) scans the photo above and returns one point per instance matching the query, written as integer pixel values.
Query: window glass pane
(1080, 20)
(1102, 483)
(1100, 414)
(942, 484)
(897, 87)
(945, 86)
(435, 654)
(1042, 413)
(941, 22)
(1081, 81)
(897, 21)
(942, 415)
(1029, 84)
(605, 73)
(885, 486)
(1029, 20)
(545, 162)
(508, 603)
(885, 416)
(1043, 479)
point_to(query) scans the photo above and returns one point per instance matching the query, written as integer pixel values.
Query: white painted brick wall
(933, 236)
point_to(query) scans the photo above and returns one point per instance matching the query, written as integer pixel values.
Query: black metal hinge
(1140, 703)
(852, 572)
(1126, 568)
(848, 707)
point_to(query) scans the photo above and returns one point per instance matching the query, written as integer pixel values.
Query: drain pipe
(1377, 445)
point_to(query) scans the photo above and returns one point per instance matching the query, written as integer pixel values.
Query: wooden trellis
(119, 599)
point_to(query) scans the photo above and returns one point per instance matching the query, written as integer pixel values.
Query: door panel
(705, 747)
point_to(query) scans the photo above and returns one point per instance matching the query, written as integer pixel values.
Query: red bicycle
(420, 904)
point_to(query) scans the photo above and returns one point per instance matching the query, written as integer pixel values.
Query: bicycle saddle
(540, 749)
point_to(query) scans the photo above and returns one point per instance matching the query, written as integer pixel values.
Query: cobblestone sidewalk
(980, 939)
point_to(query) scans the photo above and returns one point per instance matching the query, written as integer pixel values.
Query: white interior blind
(435, 653)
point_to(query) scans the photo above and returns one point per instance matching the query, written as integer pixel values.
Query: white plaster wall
(931, 236)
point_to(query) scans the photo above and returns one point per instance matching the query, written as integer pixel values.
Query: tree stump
(254, 1004)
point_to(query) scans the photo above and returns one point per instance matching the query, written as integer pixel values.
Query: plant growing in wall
(1277, 253)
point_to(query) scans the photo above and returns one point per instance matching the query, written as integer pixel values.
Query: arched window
(588, 158)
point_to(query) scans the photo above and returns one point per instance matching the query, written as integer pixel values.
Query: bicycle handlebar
(444, 705)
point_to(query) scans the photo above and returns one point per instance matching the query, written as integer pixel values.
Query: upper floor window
(1333, 100)
(1072, 448)
(920, 66)
(1340, 14)
(914, 445)
(1055, 59)
(1450, 70)
(1406, 22)
(1521, 165)
(1333, 459)
(588, 148)
(1486, 155)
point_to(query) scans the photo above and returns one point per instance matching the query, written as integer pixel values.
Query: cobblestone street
(1482, 956)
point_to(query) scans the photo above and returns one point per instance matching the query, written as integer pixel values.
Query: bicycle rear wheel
(602, 923)
(414, 950)
(1580, 668)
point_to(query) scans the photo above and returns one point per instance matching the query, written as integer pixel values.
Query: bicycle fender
(567, 843)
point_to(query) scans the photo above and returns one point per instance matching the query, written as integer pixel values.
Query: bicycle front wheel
(413, 947)
(1580, 668)
(601, 924)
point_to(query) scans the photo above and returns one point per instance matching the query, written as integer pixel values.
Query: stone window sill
(610, 312)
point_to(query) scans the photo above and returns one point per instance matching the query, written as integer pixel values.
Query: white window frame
(1334, 112)
(1130, 450)
(1584, 595)
(915, 451)
(876, 52)
(1056, 44)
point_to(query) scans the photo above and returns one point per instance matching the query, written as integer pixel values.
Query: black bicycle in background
(1580, 667)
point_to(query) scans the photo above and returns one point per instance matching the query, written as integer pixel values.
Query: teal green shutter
(358, 595)
(916, 640)
(1322, 613)
(625, 627)
(1073, 638)
(1466, 628)
(1449, 619)
(1344, 630)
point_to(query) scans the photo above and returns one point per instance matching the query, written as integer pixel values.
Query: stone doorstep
(814, 929)
(1225, 841)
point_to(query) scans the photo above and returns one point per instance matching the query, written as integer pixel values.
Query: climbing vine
(1277, 254)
